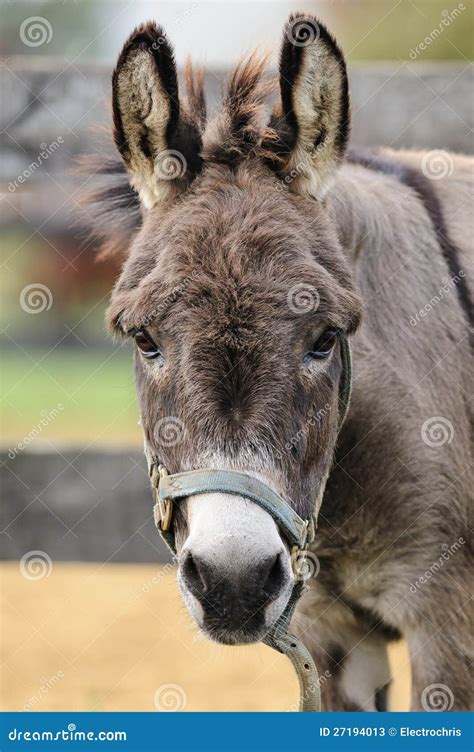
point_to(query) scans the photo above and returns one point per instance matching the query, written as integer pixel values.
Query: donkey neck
(367, 207)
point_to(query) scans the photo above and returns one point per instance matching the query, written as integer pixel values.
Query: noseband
(299, 533)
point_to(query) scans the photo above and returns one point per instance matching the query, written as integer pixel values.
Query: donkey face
(236, 291)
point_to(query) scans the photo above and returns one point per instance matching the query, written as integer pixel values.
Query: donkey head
(236, 291)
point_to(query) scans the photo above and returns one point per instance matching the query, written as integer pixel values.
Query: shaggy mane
(237, 132)
(113, 207)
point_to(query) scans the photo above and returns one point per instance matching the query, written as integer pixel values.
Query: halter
(299, 533)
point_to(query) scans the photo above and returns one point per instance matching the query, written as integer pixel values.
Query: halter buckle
(297, 557)
(163, 510)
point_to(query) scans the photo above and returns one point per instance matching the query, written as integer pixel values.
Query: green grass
(389, 30)
(91, 392)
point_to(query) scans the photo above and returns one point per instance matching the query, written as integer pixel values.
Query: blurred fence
(78, 505)
(52, 113)
(60, 110)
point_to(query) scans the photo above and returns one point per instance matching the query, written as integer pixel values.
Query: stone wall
(79, 505)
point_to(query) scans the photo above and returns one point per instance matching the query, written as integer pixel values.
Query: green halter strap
(299, 533)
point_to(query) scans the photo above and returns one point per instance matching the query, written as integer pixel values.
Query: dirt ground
(117, 637)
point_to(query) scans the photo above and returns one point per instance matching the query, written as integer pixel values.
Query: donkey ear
(159, 144)
(311, 123)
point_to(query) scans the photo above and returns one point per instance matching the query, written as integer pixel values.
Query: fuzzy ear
(311, 123)
(159, 143)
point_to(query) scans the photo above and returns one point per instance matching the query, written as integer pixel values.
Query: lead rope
(278, 637)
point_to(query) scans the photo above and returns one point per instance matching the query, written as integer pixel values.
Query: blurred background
(92, 619)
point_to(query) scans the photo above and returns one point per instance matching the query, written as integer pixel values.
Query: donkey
(255, 241)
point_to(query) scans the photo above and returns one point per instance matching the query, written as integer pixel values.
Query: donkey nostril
(275, 576)
(225, 590)
(193, 574)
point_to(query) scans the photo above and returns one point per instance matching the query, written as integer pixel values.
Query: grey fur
(209, 273)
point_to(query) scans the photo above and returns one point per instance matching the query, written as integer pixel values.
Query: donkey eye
(146, 345)
(324, 345)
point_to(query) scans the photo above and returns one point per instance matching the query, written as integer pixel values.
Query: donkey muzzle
(235, 583)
